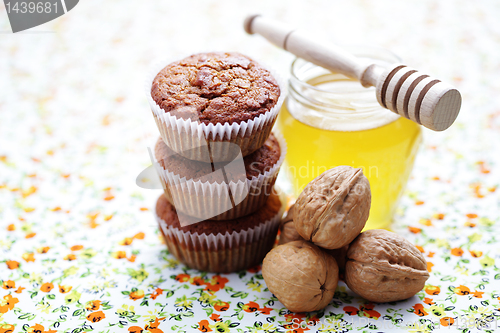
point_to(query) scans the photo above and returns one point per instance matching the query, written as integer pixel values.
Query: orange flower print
(457, 252)
(215, 317)
(421, 249)
(157, 292)
(139, 235)
(469, 224)
(29, 257)
(65, 289)
(8, 303)
(462, 290)
(6, 328)
(414, 230)
(203, 326)
(119, 254)
(251, 307)
(426, 222)
(217, 283)
(439, 216)
(47, 287)
(369, 312)
(152, 327)
(366, 310)
(351, 310)
(70, 257)
(419, 310)
(30, 235)
(182, 277)
(76, 247)
(132, 258)
(8, 284)
(12, 264)
(37, 328)
(135, 295)
(429, 301)
(446, 321)
(126, 241)
(95, 317)
(198, 281)
(475, 253)
(265, 310)
(221, 306)
(429, 266)
(293, 319)
(19, 290)
(93, 305)
(432, 290)
(11, 227)
(478, 294)
(43, 249)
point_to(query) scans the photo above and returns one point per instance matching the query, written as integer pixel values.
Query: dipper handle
(403, 90)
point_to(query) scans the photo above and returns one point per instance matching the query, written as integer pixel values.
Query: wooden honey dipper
(401, 89)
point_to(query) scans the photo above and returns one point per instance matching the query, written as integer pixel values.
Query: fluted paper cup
(191, 139)
(204, 200)
(222, 253)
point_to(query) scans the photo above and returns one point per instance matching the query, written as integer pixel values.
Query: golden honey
(330, 120)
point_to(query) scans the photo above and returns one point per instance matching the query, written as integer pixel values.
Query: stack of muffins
(217, 159)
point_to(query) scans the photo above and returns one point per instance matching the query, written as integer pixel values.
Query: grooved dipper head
(418, 97)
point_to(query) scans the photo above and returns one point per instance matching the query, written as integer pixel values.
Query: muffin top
(167, 213)
(257, 163)
(216, 87)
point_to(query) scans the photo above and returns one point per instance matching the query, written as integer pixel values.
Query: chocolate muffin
(220, 191)
(221, 246)
(214, 97)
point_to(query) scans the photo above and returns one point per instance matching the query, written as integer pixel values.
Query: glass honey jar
(329, 120)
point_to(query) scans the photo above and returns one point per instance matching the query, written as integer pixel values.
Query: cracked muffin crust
(215, 87)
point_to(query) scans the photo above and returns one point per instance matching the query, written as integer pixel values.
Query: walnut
(333, 208)
(382, 266)
(340, 256)
(288, 233)
(301, 275)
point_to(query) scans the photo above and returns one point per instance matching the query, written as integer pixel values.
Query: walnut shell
(340, 256)
(383, 266)
(288, 233)
(301, 275)
(333, 208)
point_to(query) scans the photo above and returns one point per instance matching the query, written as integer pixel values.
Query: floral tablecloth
(79, 246)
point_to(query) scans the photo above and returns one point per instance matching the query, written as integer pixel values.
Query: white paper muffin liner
(205, 200)
(222, 253)
(190, 139)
